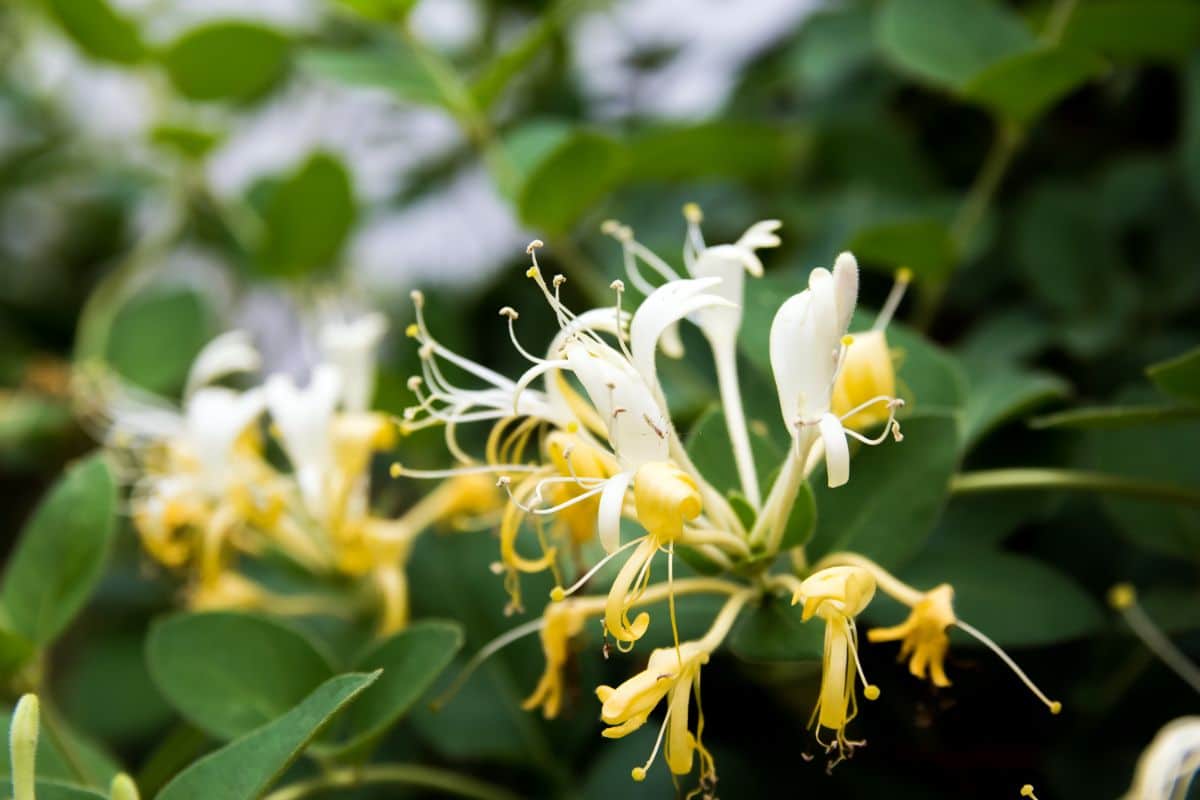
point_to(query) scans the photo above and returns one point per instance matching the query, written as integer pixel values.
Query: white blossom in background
(447, 25)
(713, 40)
(163, 22)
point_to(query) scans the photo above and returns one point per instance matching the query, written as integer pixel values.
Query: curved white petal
(786, 353)
(667, 305)
(760, 235)
(350, 347)
(216, 416)
(729, 264)
(845, 280)
(837, 450)
(229, 353)
(303, 417)
(612, 500)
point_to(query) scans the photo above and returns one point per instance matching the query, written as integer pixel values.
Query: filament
(1053, 705)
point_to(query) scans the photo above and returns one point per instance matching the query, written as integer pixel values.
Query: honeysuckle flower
(868, 370)
(1167, 768)
(561, 622)
(304, 419)
(923, 636)
(350, 347)
(673, 673)
(837, 595)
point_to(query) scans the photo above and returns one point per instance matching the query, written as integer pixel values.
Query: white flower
(350, 347)
(304, 418)
(1167, 767)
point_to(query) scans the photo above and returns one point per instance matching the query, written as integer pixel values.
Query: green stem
(1010, 480)
(64, 744)
(406, 774)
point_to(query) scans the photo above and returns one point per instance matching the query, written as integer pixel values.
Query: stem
(888, 583)
(725, 358)
(407, 774)
(1008, 480)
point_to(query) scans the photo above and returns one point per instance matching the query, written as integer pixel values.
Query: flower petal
(837, 450)
(612, 500)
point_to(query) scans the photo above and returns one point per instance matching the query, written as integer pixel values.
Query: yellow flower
(837, 595)
(867, 372)
(561, 622)
(571, 456)
(671, 673)
(923, 639)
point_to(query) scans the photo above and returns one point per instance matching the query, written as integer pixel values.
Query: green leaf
(833, 45)
(728, 148)
(411, 661)
(1001, 393)
(233, 61)
(99, 31)
(1135, 29)
(569, 180)
(394, 69)
(253, 669)
(773, 632)
(245, 768)
(392, 11)
(136, 348)
(55, 790)
(190, 142)
(1189, 155)
(501, 70)
(802, 522)
(895, 493)
(949, 42)
(1179, 377)
(1114, 417)
(924, 246)
(308, 217)
(61, 553)
(1022, 86)
(1016, 600)
(710, 449)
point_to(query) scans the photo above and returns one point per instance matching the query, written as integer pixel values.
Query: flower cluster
(584, 440)
(207, 486)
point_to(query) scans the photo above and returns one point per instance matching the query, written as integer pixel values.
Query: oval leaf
(308, 217)
(227, 61)
(411, 661)
(1179, 377)
(569, 180)
(924, 246)
(1134, 29)
(1022, 86)
(98, 30)
(61, 553)
(773, 632)
(244, 769)
(230, 672)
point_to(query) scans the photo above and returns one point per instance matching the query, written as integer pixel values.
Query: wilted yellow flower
(923, 639)
(561, 622)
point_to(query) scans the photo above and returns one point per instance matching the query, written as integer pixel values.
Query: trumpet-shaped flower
(561, 622)
(923, 638)
(868, 371)
(837, 595)
(349, 346)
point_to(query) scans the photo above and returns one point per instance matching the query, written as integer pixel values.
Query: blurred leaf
(1190, 134)
(1175, 609)
(1179, 377)
(136, 348)
(924, 246)
(54, 790)
(245, 768)
(949, 42)
(526, 145)
(1164, 453)
(393, 68)
(253, 669)
(1022, 86)
(391, 11)
(929, 378)
(709, 447)
(1014, 599)
(308, 216)
(1001, 393)
(773, 632)
(895, 493)
(30, 423)
(61, 553)
(106, 690)
(721, 148)
(231, 61)
(569, 180)
(99, 31)
(15, 652)
(608, 774)
(503, 68)
(188, 141)
(1135, 29)
(1114, 417)
(832, 46)
(411, 661)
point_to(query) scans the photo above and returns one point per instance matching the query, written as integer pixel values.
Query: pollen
(692, 213)
(638, 773)
(412, 331)
(558, 594)
(534, 245)
(847, 340)
(871, 692)
(533, 272)
(395, 469)
(904, 275)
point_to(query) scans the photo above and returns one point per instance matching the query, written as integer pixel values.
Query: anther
(412, 331)
(510, 312)
(692, 213)
(496, 567)
(617, 286)
(639, 774)
(904, 275)
(609, 227)
(847, 340)
(1122, 596)
(558, 594)
(395, 470)
(418, 297)
(871, 691)
(559, 280)
(1027, 791)
(414, 383)
(534, 245)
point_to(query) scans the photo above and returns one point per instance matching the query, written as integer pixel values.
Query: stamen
(1054, 706)
(1027, 791)
(486, 652)
(558, 593)
(1123, 598)
(512, 315)
(397, 469)
(618, 286)
(639, 773)
(870, 690)
(693, 243)
(891, 427)
(903, 278)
